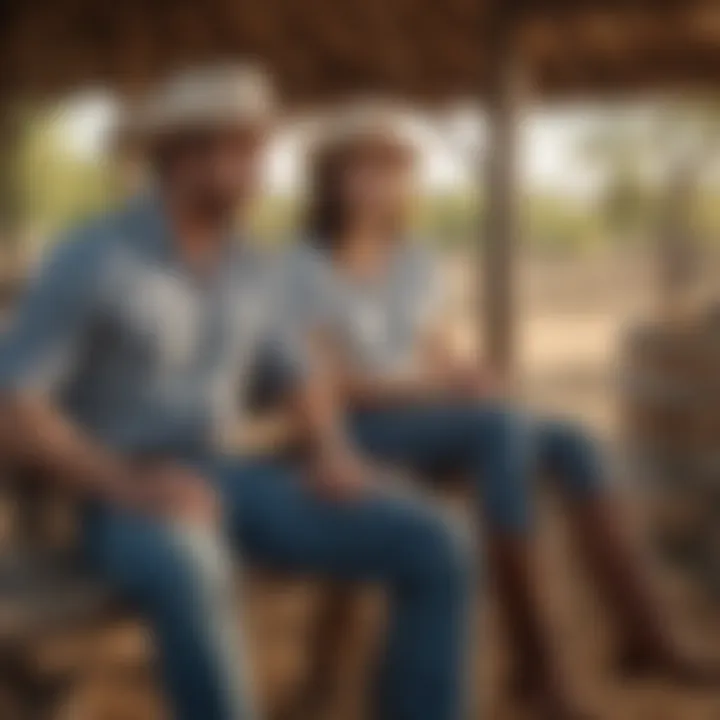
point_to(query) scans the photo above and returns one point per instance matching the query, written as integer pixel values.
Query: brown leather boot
(538, 678)
(649, 647)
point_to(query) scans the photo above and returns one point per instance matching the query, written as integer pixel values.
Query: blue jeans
(180, 578)
(499, 448)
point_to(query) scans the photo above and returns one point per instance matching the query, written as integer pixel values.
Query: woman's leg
(494, 447)
(614, 555)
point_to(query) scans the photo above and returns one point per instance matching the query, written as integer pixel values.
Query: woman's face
(378, 186)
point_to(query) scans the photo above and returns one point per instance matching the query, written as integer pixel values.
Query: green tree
(641, 155)
(57, 185)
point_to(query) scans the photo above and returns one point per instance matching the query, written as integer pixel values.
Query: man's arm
(37, 354)
(33, 432)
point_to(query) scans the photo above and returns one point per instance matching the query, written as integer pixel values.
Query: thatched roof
(427, 49)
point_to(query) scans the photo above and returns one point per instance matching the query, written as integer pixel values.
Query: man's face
(216, 171)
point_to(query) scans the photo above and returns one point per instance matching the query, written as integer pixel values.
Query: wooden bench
(44, 591)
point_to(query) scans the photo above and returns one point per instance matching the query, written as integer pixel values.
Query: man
(122, 371)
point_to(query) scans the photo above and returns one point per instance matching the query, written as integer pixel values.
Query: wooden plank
(320, 50)
(37, 597)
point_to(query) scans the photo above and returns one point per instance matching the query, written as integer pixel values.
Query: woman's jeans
(498, 448)
(180, 578)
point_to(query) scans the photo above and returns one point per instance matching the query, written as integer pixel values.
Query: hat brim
(152, 129)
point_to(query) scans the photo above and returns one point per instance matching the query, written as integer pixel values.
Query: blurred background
(571, 179)
(600, 187)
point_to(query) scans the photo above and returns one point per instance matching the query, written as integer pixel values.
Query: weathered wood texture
(320, 49)
(672, 429)
(505, 98)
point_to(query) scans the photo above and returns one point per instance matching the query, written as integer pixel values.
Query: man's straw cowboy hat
(204, 98)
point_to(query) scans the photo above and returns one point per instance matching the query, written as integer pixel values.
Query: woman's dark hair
(326, 214)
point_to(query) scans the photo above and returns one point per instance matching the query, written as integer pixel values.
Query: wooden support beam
(12, 202)
(501, 197)
(676, 252)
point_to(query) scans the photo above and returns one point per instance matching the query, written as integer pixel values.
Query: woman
(369, 298)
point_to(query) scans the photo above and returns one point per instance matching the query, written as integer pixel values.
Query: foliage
(628, 153)
(556, 225)
(56, 185)
(450, 219)
(641, 152)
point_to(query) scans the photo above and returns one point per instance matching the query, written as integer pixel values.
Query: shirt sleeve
(41, 346)
(308, 291)
(428, 288)
(283, 358)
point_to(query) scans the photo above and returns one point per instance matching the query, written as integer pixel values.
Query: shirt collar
(151, 226)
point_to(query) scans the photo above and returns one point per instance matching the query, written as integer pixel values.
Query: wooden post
(11, 201)
(677, 254)
(501, 196)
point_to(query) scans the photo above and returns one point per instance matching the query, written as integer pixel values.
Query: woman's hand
(469, 380)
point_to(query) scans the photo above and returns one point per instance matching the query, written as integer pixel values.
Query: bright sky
(549, 157)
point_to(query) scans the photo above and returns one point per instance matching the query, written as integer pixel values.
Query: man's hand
(339, 473)
(169, 490)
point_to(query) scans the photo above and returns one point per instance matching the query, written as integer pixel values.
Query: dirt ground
(573, 318)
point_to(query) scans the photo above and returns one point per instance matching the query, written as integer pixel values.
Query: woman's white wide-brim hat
(368, 120)
(203, 98)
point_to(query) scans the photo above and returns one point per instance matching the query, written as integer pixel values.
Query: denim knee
(504, 467)
(190, 604)
(497, 424)
(439, 552)
(190, 570)
(569, 451)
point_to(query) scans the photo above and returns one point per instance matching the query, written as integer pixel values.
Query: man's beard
(215, 208)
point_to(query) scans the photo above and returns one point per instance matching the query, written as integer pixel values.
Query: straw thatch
(427, 49)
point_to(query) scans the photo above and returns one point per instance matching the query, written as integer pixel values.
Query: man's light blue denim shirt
(144, 354)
